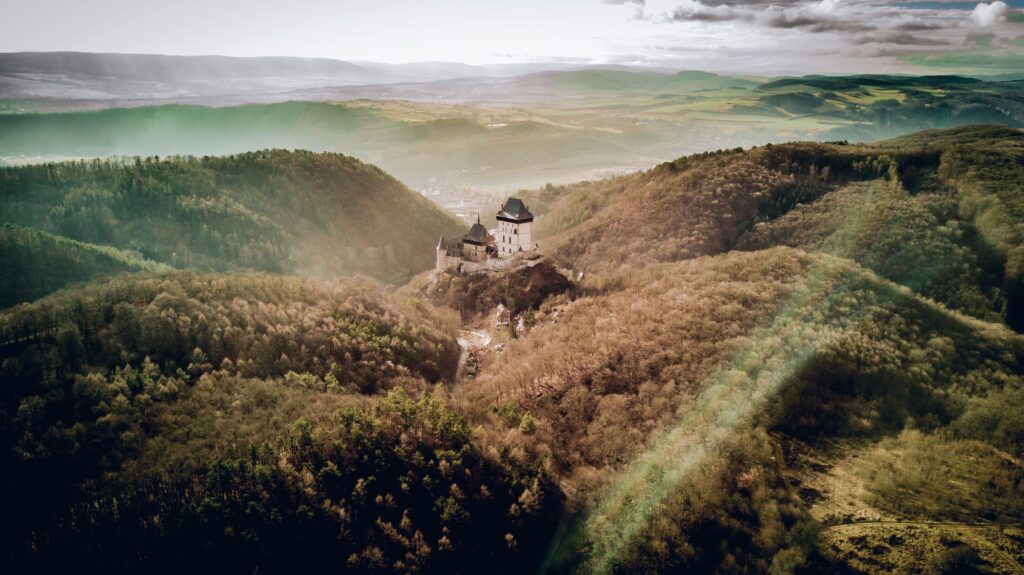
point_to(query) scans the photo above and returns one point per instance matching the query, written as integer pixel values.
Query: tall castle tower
(515, 224)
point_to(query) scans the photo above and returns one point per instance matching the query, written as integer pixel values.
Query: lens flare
(806, 323)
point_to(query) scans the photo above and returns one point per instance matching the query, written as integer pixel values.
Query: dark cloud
(837, 15)
(900, 39)
(808, 16)
(918, 26)
(896, 34)
(762, 3)
(782, 19)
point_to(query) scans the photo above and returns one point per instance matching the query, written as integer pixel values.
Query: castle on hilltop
(483, 249)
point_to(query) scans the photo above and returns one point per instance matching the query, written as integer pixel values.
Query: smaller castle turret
(474, 243)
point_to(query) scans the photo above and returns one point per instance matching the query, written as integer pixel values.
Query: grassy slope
(36, 263)
(878, 503)
(291, 212)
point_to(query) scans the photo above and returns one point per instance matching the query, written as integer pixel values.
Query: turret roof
(477, 234)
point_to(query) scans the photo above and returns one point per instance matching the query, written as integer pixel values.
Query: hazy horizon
(760, 38)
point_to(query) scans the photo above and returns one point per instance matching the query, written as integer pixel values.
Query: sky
(755, 37)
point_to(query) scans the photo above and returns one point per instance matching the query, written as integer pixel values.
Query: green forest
(42, 263)
(274, 211)
(240, 421)
(791, 359)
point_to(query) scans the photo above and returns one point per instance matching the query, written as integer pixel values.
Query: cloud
(833, 35)
(990, 14)
(917, 26)
(820, 16)
(900, 39)
(639, 4)
(696, 10)
(810, 19)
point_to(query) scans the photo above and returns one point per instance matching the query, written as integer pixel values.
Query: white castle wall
(448, 263)
(514, 238)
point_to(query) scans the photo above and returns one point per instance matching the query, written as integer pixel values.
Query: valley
(505, 134)
(769, 367)
(704, 324)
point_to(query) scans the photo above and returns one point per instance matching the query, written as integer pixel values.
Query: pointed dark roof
(477, 234)
(515, 210)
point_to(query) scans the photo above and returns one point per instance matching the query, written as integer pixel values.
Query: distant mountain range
(492, 133)
(92, 76)
(108, 80)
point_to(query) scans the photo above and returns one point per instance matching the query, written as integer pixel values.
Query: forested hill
(745, 412)
(239, 422)
(788, 360)
(37, 263)
(936, 211)
(277, 211)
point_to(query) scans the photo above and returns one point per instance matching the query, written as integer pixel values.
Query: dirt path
(469, 340)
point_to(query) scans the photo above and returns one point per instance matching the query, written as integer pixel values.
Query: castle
(479, 249)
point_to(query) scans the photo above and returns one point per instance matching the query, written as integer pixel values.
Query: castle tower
(515, 224)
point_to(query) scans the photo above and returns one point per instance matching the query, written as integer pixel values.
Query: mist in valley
(517, 286)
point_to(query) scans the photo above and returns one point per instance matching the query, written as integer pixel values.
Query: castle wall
(490, 264)
(453, 264)
(474, 252)
(525, 237)
(448, 263)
